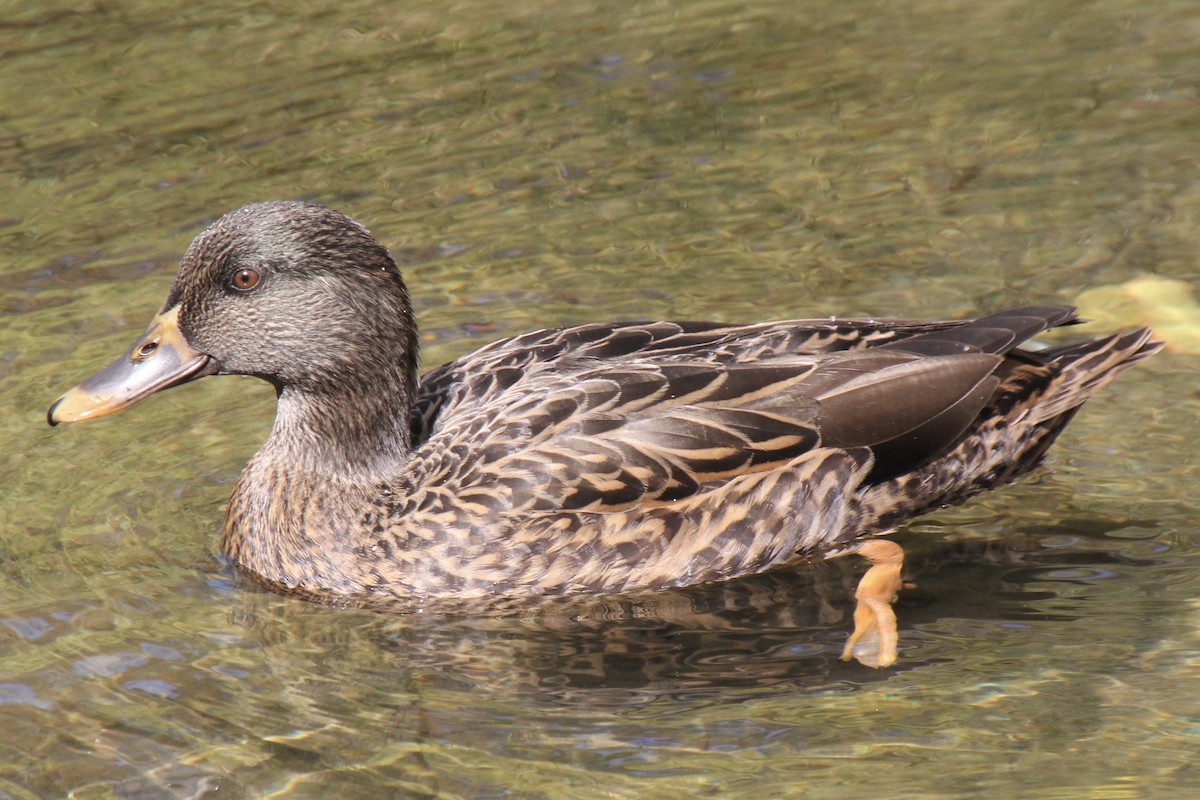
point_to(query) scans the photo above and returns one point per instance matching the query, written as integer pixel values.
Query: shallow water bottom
(533, 164)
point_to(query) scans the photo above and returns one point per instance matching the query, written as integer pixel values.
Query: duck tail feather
(1087, 367)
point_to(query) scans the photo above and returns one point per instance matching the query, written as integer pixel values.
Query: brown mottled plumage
(597, 458)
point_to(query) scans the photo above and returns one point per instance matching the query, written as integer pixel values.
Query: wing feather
(604, 417)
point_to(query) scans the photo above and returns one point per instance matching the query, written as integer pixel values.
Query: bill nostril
(147, 350)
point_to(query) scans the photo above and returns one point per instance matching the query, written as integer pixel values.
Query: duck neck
(358, 432)
(293, 516)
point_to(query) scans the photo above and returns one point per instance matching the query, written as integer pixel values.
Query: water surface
(540, 163)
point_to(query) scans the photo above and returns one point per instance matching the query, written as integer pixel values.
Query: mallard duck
(617, 457)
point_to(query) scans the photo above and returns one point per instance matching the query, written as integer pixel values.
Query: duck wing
(579, 432)
(494, 368)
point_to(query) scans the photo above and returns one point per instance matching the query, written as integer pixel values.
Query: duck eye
(245, 279)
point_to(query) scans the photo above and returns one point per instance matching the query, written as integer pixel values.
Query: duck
(599, 458)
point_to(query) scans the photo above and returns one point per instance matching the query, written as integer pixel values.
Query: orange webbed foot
(874, 639)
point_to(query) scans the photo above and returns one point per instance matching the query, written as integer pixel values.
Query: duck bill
(159, 359)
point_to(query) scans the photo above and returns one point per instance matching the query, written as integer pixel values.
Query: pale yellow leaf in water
(1165, 304)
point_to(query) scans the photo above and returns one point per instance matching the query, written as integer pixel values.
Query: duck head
(294, 293)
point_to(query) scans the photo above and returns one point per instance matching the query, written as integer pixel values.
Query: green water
(538, 163)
